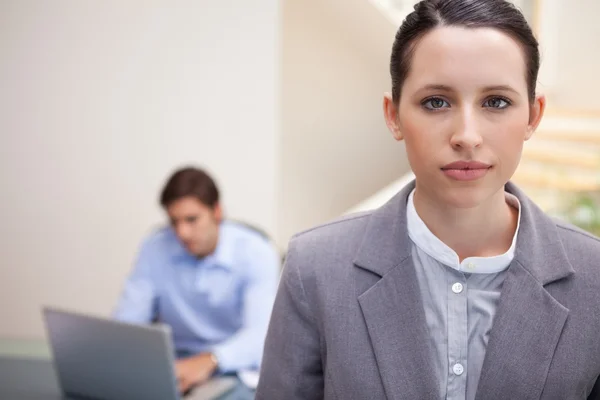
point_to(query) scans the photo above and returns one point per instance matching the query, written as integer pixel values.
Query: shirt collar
(223, 256)
(420, 234)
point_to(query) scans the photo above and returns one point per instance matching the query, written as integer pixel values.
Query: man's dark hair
(430, 14)
(192, 182)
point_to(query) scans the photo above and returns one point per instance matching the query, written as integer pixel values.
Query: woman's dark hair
(193, 182)
(429, 14)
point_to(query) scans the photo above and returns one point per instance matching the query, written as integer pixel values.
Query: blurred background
(279, 100)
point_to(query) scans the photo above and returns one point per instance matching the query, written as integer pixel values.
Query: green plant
(584, 211)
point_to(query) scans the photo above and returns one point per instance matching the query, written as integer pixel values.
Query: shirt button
(458, 369)
(457, 287)
(471, 265)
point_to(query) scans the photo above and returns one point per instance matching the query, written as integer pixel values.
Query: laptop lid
(99, 358)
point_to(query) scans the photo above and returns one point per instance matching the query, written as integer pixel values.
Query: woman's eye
(435, 103)
(496, 102)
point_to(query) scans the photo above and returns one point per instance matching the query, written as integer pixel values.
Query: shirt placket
(457, 336)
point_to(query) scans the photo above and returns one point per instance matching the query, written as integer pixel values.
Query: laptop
(98, 358)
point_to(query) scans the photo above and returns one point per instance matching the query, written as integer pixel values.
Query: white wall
(336, 149)
(99, 101)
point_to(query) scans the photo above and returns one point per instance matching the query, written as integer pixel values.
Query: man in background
(211, 280)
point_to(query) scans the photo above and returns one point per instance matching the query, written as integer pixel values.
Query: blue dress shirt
(221, 303)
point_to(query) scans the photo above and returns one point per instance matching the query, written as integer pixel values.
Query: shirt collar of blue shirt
(223, 256)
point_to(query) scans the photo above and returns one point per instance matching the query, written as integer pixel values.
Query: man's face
(195, 224)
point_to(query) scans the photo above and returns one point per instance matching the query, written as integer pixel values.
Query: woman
(459, 287)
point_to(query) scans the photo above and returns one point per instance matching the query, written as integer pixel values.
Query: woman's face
(464, 114)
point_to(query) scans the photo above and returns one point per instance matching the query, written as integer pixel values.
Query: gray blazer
(348, 321)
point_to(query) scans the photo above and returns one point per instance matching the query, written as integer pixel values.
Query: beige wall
(99, 101)
(336, 149)
(570, 39)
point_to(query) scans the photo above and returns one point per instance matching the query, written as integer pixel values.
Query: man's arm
(138, 300)
(244, 349)
(292, 367)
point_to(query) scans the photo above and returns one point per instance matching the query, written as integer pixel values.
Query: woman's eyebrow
(485, 89)
(435, 86)
(504, 88)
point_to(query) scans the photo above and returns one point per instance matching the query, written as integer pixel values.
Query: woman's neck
(482, 231)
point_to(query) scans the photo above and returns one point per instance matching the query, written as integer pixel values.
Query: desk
(27, 373)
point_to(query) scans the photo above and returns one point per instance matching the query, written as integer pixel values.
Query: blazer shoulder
(340, 229)
(324, 249)
(570, 232)
(583, 248)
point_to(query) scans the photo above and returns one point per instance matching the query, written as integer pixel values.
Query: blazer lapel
(392, 307)
(526, 329)
(395, 319)
(529, 321)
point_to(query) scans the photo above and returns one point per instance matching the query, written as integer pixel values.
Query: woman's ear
(536, 112)
(390, 112)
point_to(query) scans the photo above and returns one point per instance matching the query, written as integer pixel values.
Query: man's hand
(194, 370)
